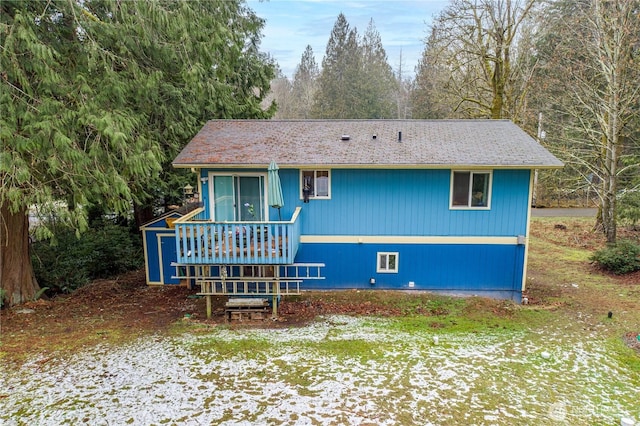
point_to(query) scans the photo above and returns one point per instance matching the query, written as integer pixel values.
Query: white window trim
(386, 270)
(470, 207)
(316, 197)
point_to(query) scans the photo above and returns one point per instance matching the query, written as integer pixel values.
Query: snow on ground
(312, 375)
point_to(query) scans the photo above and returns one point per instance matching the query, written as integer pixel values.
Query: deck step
(248, 308)
(247, 302)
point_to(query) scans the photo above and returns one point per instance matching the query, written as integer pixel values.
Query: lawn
(404, 358)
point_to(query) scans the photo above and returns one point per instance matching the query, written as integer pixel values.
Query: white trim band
(395, 239)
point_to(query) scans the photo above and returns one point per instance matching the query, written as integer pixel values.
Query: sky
(291, 25)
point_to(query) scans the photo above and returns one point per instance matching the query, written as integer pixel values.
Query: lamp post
(188, 192)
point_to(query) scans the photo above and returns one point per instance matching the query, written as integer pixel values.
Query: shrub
(629, 207)
(69, 262)
(620, 258)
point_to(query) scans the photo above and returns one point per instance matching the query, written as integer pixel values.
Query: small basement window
(387, 262)
(316, 182)
(471, 190)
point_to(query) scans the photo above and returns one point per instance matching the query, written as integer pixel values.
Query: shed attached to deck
(159, 244)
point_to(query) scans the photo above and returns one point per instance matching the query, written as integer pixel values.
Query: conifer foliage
(305, 83)
(98, 95)
(356, 80)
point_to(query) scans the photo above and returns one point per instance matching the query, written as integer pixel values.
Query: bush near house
(629, 208)
(620, 258)
(68, 262)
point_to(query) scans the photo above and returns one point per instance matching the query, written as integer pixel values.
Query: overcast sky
(291, 25)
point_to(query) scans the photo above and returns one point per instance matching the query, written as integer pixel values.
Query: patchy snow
(288, 376)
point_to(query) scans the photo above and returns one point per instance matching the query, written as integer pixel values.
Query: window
(316, 182)
(238, 197)
(387, 262)
(470, 189)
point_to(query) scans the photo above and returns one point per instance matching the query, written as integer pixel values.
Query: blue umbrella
(275, 188)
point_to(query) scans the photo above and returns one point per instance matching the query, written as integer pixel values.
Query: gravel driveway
(564, 212)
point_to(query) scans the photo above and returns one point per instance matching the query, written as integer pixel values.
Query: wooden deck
(205, 242)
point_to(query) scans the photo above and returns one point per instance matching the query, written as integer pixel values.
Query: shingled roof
(365, 143)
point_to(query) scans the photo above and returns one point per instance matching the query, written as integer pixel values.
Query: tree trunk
(142, 214)
(609, 197)
(17, 279)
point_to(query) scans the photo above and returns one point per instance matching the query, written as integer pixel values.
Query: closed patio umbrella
(275, 188)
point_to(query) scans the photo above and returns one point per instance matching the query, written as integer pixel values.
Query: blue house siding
(389, 203)
(414, 202)
(400, 202)
(492, 269)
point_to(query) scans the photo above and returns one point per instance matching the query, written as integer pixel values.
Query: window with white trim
(387, 262)
(470, 189)
(315, 183)
(238, 197)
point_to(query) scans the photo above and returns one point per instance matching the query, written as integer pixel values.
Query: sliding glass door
(238, 198)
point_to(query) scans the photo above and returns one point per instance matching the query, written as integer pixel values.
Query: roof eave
(366, 166)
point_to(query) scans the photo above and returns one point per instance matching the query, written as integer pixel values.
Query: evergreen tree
(99, 96)
(377, 92)
(330, 101)
(305, 84)
(430, 96)
(356, 80)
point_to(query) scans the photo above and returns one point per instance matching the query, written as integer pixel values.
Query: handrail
(237, 242)
(186, 218)
(189, 215)
(296, 213)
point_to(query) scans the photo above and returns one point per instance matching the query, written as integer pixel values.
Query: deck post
(275, 290)
(208, 298)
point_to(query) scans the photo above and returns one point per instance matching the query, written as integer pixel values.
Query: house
(368, 204)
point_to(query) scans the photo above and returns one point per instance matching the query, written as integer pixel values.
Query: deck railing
(200, 241)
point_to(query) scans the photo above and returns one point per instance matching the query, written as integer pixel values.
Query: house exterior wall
(485, 269)
(411, 202)
(408, 212)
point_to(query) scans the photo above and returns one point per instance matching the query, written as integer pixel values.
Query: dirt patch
(633, 341)
(296, 311)
(627, 279)
(105, 310)
(577, 232)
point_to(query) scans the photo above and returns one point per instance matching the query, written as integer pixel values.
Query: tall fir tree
(378, 82)
(98, 97)
(330, 101)
(305, 84)
(430, 95)
(356, 80)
